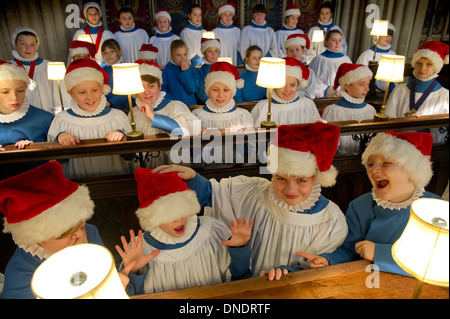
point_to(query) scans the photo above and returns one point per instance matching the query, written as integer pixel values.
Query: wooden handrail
(159, 142)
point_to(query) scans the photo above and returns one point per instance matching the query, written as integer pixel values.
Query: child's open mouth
(179, 230)
(382, 183)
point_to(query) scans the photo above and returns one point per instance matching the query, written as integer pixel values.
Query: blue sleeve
(239, 97)
(203, 188)
(240, 261)
(93, 236)
(384, 260)
(190, 79)
(201, 94)
(165, 81)
(290, 268)
(167, 124)
(136, 284)
(118, 101)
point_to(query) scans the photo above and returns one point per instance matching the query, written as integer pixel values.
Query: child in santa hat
(192, 35)
(287, 106)
(92, 14)
(296, 46)
(353, 80)
(383, 47)
(185, 250)
(163, 37)
(20, 123)
(42, 92)
(44, 212)
(289, 211)
(423, 95)
(398, 166)
(81, 50)
(211, 50)
(90, 118)
(290, 16)
(148, 53)
(129, 36)
(325, 65)
(228, 33)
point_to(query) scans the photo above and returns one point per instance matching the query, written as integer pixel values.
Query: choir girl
(211, 49)
(290, 21)
(179, 249)
(252, 92)
(193, 33)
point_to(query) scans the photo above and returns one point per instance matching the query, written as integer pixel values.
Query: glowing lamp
(56, 71)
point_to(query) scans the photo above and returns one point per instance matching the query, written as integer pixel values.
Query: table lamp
(422, 249)
(208, 35)
(85, 38)
(224, 59)
(56, 71)
(271, 74)
(390, 69)
(380, 28)
(317, 37)
(127, 81)
(85, 271)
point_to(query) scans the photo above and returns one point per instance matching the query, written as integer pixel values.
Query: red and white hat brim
(355, 75)
(290, 12)
(75, 51)
(226, 7)
(287, 162)
(147, 55)
(54, 221)
(404, 153)
(295, 41)
(297, 73)
(434, 57)
(85, 74)
(223, 77)
(210, 43)
(10, 71)
(168, 208)
(163, 14)
(145, 69)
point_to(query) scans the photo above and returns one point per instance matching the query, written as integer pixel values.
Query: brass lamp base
(135, 135)
(268, 124)
(381, 117)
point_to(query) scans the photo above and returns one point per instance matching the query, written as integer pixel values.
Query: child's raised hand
(184, 65)
(67, 139)
(114, 136)
(134, 252)
(273, 273)
(22, 144)
(240, 233)
(147, 109)
(314, 261)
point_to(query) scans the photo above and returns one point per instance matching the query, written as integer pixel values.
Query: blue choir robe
(117, 101)
(251, 92)
(182, 85)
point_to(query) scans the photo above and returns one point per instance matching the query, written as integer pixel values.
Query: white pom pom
(240, 83)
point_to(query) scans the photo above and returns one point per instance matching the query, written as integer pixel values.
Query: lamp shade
(127, 79)
(391, 68)
(318, 36)
(85, 271)
(422, 249)
(380, 28)
(229, 60)
(84, 37)
(271, 73)
(56, 70)
(208, 35)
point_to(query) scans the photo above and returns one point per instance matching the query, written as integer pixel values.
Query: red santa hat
(41, 204)
(82, 47)
(305, 150)
(83, 70)
(225, 73)
(298, 70)
(161, 12)
(150, 68)
(410, 150)
(11, 71)
(19, 30)
(148, 52)
(227, 7)
(163, 198)
(435, 51)
(87, 5)
(290, 10)
(208, 43)
(349, 73)
(297, 39)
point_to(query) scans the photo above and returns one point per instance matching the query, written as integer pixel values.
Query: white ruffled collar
(36, 250)
(79, 111)
(220, 109)
(351, 99)
(17, 115)
(279, 99)
(17, 56)
(159, 32)
(306, 204)
(390, 205)
(431, 77)
(386, 47)
(329, 23)
(132, 27)
(165, 238)
(249, 68)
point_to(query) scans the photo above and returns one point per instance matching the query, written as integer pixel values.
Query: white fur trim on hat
(295, 41)
(80, 50)
(9, 71)
(210, 43)
(226, 7)
(88, 5)
(355, 75)
(297, 73)
(54, 221)
(145, 69)
(435, 58)
(404, 153)
(290, 12)
(163, 14)
(283, 161)
(20, 30)
(147, 55)
(168, 208)
(223, 77)
(79, 75)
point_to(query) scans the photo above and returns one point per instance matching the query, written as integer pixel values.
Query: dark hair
(192, 7)
(27, 33)
(124, 10)
(111, 43)
(150, 79)
(330, 33)
(259, 8)
(327, 5)
(250, 49)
